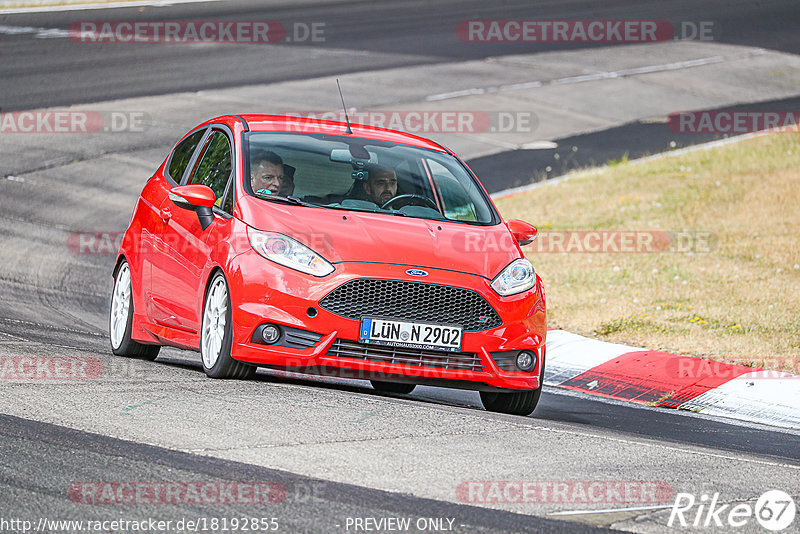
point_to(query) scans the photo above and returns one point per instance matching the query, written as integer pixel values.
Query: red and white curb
(671, 381)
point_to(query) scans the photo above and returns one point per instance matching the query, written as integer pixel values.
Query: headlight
(288, 252)
(519, 276)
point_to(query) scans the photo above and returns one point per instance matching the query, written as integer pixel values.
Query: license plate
(410, 334)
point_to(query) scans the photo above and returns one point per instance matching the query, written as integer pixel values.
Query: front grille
(412, 301)
(468, 361)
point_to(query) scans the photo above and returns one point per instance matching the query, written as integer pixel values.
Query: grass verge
(724, 282)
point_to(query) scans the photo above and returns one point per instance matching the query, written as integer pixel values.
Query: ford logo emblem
(417, 272)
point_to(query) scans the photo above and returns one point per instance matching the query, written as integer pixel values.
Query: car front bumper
(272, 294)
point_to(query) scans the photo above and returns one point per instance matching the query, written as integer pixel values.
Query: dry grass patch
(738, 303)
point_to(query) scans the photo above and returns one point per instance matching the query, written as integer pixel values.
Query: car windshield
(357, 174)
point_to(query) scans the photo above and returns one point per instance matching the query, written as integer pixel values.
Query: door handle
(166, 214)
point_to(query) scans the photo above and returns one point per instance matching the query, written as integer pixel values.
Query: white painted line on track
(15, 339)
(663, 446)
(456, 94)
(41, 33)
(678, 65)
(612, 510)
(622, 73)
(97, 5)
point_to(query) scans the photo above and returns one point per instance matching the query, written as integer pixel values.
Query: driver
(381, 186)
(287, 187)
(267, 173)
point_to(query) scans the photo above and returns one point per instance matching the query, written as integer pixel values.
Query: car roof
(284, 123)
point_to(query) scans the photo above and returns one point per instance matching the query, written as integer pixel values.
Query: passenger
(381, 185)
(266, 173)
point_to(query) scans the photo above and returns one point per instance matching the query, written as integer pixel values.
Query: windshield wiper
(298, 201)
(286, 200)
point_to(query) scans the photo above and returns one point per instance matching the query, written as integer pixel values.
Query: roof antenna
(346, 118)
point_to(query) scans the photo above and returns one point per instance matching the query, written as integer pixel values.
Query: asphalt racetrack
(339, 456)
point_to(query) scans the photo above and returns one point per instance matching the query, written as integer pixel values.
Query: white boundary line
(97, 5)
(622, 73)
(612, 510)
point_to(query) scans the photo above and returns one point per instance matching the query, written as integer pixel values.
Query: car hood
(350, 236)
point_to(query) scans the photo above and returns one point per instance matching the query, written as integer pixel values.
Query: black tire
(392, 387)
(126, 346)
(514, 402)
(223, 366)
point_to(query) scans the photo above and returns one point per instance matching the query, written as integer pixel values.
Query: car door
(156, 235)
(178, 273)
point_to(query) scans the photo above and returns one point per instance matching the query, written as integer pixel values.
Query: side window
(182, 154)
(214, 168)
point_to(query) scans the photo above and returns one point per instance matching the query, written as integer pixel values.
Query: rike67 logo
(774, 511)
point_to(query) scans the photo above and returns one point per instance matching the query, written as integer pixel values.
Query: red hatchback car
(322, 247)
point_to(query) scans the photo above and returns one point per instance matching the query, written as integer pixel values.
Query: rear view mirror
(344, 155)
(197, 198)
(524, 233)
(359, 152)
(358, 157)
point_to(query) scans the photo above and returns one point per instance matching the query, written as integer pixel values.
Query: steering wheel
(410, 199)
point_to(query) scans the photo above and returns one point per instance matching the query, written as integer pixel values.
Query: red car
(329, 248)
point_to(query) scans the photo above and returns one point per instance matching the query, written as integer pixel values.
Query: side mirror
(524, 233)
(197, 198)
